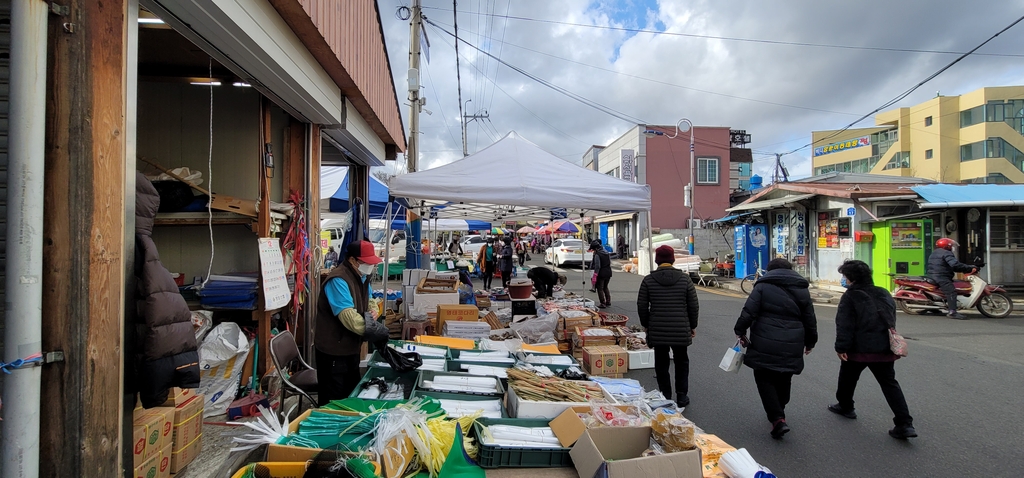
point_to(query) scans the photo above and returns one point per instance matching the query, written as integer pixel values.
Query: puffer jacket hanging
(167, 352)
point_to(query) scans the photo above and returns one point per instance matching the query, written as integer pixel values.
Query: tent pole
(387, 250)
(583, 256)
(650, 245)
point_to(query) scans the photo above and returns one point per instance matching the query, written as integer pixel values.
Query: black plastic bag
(400, 361)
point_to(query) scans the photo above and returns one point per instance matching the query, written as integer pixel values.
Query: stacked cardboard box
(151, 443)
(187, 433)
(605, 360)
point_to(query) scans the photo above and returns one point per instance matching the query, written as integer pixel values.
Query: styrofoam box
(428, 302)
(530, 409)
(639, 359)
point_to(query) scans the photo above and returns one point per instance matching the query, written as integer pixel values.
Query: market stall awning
(731, 218)
(970, 195)
(532, 181)
(378, 200)
(445, 225)
(770, 203)
(615, 217)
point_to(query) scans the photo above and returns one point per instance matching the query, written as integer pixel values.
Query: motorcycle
(921, 294)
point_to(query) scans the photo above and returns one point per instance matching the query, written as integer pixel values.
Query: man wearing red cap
(341, 326)
(668, 308)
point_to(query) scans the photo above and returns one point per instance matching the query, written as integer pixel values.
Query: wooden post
(263, 221)
(83, 252)
(294, 180)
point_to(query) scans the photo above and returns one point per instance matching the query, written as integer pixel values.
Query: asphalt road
(962, 379)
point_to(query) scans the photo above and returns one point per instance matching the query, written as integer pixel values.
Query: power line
(439, 107)
(579, 98)
(674, 85)
(501, 47)
(750, 40)
(458, 74)
(907, 93)
(528, 110)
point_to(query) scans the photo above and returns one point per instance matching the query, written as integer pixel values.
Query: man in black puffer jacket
(668, 308)
(783, 328)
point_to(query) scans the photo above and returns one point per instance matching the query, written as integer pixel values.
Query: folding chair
(285, 355)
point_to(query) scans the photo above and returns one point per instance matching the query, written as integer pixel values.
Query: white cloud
(835, 80)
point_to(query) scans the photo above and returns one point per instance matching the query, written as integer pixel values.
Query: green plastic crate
(375, 358)
(388, 375)
(460, 396)
(430, 374)
(455, 363)
(496, 456)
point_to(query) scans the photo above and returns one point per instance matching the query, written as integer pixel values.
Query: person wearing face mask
(865, 314)
(341, 323)
(487, 259)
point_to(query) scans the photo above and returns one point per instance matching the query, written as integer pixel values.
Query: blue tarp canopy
(730, 218)
(378, 200)
(970, 195)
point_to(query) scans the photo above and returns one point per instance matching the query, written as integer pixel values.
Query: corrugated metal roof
(861, 178)
(769, 203)
(971, 195)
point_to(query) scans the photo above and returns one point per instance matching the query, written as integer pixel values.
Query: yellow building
(976, 137)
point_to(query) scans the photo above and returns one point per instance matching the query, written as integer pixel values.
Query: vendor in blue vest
(340, 322)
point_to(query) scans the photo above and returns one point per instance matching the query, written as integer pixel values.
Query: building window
(927, 120)
(1007, 231)
(828, 230)
(707, 170)
(992, 148)
(928, 154)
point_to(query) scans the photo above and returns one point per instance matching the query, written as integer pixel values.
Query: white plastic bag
(221, 358)
(739, 464)
(733, 358)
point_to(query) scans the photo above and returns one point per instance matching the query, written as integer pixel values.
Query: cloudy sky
(719, 63)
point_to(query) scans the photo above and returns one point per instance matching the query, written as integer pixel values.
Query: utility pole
(466, 118)
(415, 102)
(780, 170)
(414, 224)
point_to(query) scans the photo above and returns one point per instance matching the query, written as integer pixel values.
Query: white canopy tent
(516, 179)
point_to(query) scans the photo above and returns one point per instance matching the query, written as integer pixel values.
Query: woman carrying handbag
(865, 316)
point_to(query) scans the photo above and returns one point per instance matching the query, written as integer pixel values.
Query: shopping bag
(897, 343)
(733, 358)
(593, 279)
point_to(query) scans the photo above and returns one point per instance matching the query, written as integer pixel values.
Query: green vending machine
(900, 247)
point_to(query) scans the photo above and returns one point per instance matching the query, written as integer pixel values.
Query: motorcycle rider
(942, 264)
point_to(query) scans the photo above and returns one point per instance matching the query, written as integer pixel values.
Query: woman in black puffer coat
(667, 306)
(780, 316)
(865, 314)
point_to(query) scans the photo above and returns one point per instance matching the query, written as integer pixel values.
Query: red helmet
(946, 243)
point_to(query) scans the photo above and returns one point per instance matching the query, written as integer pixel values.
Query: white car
(471, 245)
(564, 251)
(398, 244)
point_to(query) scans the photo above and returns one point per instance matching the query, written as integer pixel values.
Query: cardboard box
(457, 312)
(179, 396)
(188, 423)
(641, 359)
(285, 453)
(569, 427)
(519, 408)
(617, 451)
(186, 454)
(151, 432)
(605, 360)
(156, 466)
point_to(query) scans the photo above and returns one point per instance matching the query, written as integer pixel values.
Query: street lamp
(688, 196)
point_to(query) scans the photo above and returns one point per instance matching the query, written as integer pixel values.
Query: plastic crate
(412, 379)
(460, 396)
(375, 358)
(430, 374)
(496, 456)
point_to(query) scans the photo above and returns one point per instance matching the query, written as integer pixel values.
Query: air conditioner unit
(696, 223)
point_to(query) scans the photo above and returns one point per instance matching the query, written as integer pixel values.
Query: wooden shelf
(201, 219)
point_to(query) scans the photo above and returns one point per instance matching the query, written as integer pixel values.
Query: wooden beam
(83, 252)
(294, 167)
(261, 316)
(314, 148)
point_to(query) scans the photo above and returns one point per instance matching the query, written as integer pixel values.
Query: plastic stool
(419, 327)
